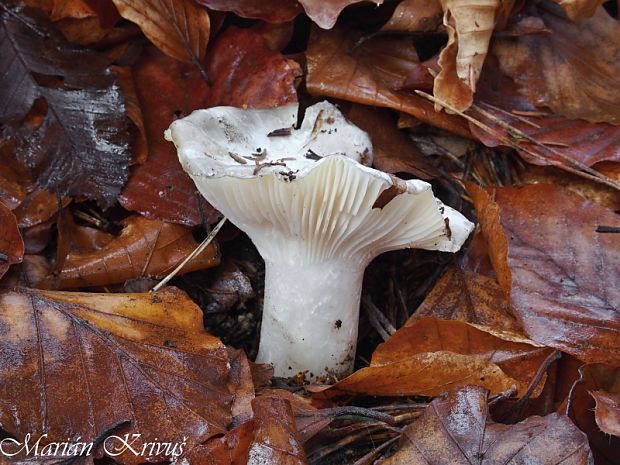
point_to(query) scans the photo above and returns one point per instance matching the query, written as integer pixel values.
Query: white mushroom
(316, 215)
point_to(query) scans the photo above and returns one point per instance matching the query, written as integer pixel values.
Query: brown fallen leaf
(275, 11)
(607, 411)
(393, 150)
(371, 74)
(412, 16)
(470, 297)
(160, 188)
(245, 72)
(458, 430)
(583, 408)
(91, 365)
(228, 287)
(470, 25)
(429, 357)
(560, 274)
(84, 22)
(579, 9)
(11, 243)
(179, 28)
(269, 438)
(144, 248)
(559, 71)
(325, 13)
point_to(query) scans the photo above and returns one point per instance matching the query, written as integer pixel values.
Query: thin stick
(203, 245)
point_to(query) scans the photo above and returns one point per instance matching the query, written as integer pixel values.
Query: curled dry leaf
(144, 248)
(371, 74)
(459, 430)
(245, 72)
(590, 416)
(429, 357)
(325, 13)
(469, 297)
(179, 28)
(269, 438)
(11, 243)
(160, 188)
(129, 363)
(274, 11)
(560, 274)
(411, 16)
(470, 25)
(84, 22)
(81, 146)
(559, 70)
(579, 9)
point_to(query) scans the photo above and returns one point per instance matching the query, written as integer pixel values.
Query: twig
(203, 245)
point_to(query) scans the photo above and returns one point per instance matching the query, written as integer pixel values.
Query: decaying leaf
(411, 16)
(579, 9)
(81, 147)
(560, 274)
(144, 248)
(371, 74)
(129, 363)
(470, 297)
(11, 243)
(558, 70)
(458, 430)
(470, 25)
(160, 188)
(245, 72)
(590, 416)
(274, 11)
(269, 438)
(179, 28)
(429, 357)
(83, 22)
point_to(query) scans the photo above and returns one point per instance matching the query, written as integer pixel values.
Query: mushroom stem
(310, 317)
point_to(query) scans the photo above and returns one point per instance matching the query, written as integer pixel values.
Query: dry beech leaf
(429, 357)
(84, 22)
(160, 188)
(607, 412)
(269, 438)
(245, 72)
(371, 74)
(144, 248)
(579, 9)
(469, 297)
(274, 11)
(179, 28)
(141, 363)
(325, 13)
(575, 139)
(583, 408)
(559, 71)
(470, 25)
(560, 274)
(393, 150)
(458, 430)
(11, 243)
(411, 16)
(81, 145)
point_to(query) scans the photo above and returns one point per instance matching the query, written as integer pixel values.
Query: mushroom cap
(229, 141)
(310, 209)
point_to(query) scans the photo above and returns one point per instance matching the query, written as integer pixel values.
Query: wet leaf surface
(144, 248)
(429, 357)
(81, 146)
(560, 273)
(11, 243)
(160, 188)
(458, 430)
(130, 363)
(244, 71)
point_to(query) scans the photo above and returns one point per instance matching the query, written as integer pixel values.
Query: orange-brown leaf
(11, 243)
(411, 16)
(83, 364)
(325, 13)
(560, 273)
(179, 28)
(144, 248)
